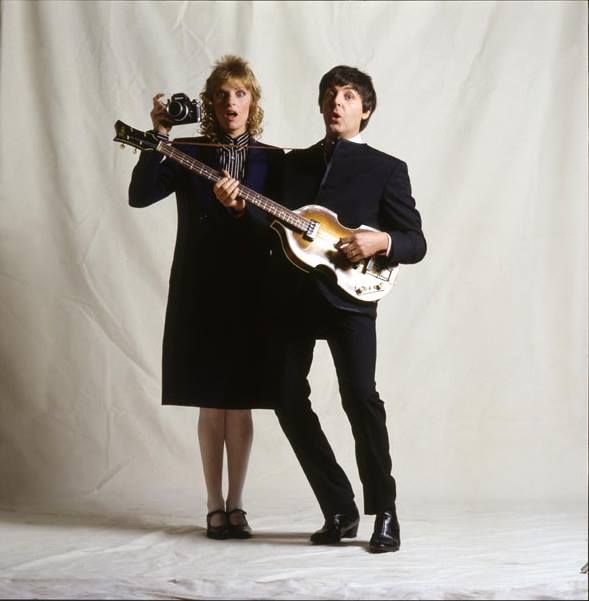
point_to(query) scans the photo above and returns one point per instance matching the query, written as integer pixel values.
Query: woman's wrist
(160, 133)
(237, 212)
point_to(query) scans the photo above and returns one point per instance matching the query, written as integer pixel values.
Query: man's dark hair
(343, 75)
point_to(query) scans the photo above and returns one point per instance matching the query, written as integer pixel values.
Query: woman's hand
(159, 116)
(226, 191)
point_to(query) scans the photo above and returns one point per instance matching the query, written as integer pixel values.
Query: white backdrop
(482, 346)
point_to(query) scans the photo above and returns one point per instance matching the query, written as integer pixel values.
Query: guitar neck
(274, 209)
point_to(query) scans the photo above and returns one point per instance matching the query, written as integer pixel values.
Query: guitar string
(290, 217)
(286, 215)
(279, 211)
(250, 195)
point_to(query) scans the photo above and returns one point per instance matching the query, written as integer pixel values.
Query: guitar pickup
(311, 231)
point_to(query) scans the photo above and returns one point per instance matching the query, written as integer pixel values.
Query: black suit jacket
(363, 186)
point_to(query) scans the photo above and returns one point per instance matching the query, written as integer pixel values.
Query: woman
(214, 325)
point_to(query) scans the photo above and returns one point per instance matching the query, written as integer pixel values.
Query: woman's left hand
(226, 191)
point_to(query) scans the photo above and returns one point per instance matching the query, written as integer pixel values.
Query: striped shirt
(233, 154)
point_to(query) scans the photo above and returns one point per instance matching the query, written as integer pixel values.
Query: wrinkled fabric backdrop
(482, 346)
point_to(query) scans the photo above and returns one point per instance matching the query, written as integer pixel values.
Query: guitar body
(366, 281)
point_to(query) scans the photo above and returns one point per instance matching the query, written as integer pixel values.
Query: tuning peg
(134, 150)
(122, 147)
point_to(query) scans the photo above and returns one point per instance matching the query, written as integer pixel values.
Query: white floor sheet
(482, 346)
(450, 552)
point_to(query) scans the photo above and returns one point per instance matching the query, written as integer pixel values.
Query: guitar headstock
(134, 137)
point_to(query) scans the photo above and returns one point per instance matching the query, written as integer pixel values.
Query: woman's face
(231, 102)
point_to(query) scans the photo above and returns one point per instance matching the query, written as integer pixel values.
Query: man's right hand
(159, 116)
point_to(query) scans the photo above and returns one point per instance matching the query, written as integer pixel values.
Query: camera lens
(177, 110)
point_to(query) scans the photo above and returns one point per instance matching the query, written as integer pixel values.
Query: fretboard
(281, 213)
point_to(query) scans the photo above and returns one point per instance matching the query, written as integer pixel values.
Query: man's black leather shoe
(386, 536)
(336, 527)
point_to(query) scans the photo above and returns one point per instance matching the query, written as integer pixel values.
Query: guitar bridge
(383, 273)
(311, 231)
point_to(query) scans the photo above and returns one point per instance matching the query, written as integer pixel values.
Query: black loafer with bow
(241, 529)
(219, 532)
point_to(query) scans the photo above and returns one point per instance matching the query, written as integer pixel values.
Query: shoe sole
(383, 548)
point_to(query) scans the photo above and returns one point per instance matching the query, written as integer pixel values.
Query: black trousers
(352, 341)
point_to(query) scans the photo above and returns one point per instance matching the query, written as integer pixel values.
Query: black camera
(181, 109)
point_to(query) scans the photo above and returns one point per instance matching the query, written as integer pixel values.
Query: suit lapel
(210, 156)
(257, 165)
(252, 166)
(345, 159)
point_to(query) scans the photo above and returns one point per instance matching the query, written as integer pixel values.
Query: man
(363, 186)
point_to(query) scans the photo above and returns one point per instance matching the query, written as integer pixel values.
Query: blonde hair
(227, 68)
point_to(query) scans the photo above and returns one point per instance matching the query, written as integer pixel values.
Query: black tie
(328, 148)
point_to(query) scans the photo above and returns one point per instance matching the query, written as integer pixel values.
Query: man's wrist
(389, 242)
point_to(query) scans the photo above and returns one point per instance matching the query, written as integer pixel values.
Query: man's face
(231, 102)
(342, 112)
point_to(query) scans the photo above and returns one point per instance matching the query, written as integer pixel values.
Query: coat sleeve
(401, 219)
(154, 177)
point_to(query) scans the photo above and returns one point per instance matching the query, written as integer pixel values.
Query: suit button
(203, 216)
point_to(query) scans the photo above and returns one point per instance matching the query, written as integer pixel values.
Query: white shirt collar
(357, 139)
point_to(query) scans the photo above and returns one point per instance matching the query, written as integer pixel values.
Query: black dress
(215, 324)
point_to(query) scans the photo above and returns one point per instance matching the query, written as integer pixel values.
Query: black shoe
(217, 532)
(336, 527)
(386, 536)
(241, 530)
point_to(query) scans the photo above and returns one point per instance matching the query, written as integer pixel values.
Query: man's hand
(361, 245)
(226, 191)
(159, 116)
